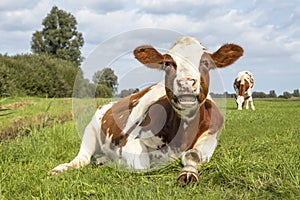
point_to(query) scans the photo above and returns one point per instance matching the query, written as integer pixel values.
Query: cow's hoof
(101, 160)
(54, 172)
(58, 169)
(188, 174)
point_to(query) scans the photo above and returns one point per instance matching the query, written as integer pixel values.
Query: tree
(127, 92)
(296, 93)
(59, 37)
(259, 95)
(107, 82)
(272, 94)
(286, 95)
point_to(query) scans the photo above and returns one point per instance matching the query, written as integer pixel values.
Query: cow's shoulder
(213, 116)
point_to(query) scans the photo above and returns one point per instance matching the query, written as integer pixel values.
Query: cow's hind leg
(136, 154)
(251, 103)
(89, 146)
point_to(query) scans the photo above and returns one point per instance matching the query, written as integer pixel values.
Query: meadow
(258, 157)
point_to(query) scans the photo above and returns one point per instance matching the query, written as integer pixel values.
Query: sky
(268, 31)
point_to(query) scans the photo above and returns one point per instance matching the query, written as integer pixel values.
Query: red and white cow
(243, 85)
(175, 117)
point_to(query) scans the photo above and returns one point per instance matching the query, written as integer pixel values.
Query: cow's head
(240, 101)
(241, 87)
(187, 66)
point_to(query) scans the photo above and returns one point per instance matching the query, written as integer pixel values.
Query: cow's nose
(187, 84)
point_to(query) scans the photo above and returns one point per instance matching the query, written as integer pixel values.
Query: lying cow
(175, 117)
(243, 85)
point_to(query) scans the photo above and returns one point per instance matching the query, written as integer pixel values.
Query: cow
(243, 85)
(174, 118)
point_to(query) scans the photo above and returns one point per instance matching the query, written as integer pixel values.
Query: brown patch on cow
(134, 98)
(242, 88)
(170, 118)
(227, 55)
(206, 63)
(211, 119)
(149, 56)
(116, 117)
(203, 89)
(179, 133)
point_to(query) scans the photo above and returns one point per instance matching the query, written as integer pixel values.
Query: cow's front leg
(189, 173)
(200, 153)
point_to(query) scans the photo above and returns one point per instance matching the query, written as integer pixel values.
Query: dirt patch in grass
(24, 126)
(20, 104)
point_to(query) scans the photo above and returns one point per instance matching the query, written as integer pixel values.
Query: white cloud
(98, 6)
(178, 6)
(8, 5)
(269, 31)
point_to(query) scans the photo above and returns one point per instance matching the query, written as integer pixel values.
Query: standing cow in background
(243, 86)
(175, 117)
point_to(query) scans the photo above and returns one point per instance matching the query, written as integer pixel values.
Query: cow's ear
(207, 62)
(227, 54)
(149, 56)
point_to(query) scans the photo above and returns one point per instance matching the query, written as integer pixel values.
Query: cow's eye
(167, 65)
(205, 62)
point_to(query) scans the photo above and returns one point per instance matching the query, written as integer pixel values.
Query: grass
(257, 158)
(24, 114)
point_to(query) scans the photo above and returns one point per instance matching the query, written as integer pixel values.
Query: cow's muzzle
(187, 100)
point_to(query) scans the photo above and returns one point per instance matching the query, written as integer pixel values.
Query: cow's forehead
(189, 49)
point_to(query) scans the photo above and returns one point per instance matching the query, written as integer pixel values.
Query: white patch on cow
(136, 154)
(205, 145)
(137, 114)
(107, 149)
(121, 116)
(151, 141)
(239, 101)
(187, 53)
(101, 112)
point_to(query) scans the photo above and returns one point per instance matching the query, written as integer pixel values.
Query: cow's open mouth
(187, 100)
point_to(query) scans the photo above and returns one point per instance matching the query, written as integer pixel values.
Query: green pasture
(258, 157)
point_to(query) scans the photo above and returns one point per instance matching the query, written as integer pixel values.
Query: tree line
(47, 76)
(271, 94)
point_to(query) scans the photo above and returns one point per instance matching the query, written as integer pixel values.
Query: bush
(36, 75)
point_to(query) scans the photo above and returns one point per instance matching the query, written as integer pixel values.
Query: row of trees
(36, 75)
(47, 76)
(272, 94)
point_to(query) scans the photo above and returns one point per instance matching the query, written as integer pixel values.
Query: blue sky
(269, 30)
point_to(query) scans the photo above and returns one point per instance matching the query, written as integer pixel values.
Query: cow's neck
(187, 126)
